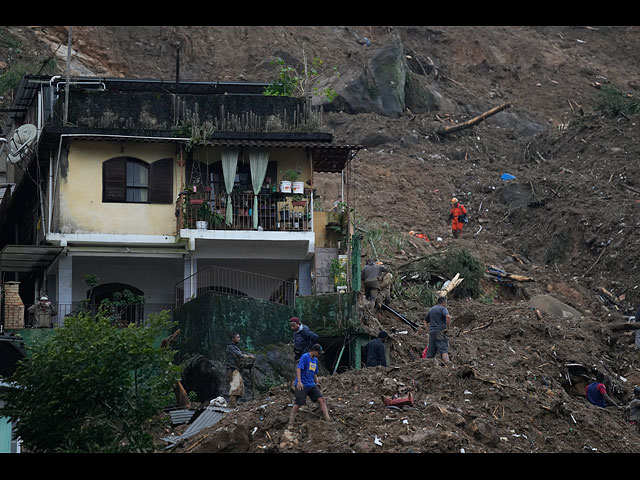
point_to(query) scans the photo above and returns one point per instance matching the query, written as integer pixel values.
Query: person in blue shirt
(306, 383)
(596, 392)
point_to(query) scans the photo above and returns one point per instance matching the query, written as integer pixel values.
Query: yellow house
(162, 193)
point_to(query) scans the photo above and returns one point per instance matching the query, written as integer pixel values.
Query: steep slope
(571, 214)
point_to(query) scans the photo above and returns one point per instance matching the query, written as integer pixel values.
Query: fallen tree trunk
(455, 128)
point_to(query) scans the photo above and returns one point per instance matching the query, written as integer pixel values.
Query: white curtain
(229, 164)
(258, 159)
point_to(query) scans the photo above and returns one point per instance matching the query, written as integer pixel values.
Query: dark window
(129, 180)
(242, 181)
(137, 182)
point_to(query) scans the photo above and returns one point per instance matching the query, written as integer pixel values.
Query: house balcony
(277, 212)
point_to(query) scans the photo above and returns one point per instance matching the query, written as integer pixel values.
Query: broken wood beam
(455, 281)
(469, 123)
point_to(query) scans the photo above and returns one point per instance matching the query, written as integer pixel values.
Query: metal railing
(276, 212)
(236, 282)
(122, 315)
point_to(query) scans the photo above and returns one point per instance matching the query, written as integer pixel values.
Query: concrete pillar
(190, 279)
(304, 277)
(65, 287)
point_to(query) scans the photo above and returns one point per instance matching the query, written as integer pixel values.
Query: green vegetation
(417, 280)
(338, 272)
(302, 80)
(8, 40)
(92, 387)
(10, 79)
(379, 240)
(612, 102)
(460, 260)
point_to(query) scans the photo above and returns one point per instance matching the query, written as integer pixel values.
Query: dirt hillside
(569, 220)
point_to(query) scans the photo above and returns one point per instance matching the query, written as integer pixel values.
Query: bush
(93, 387)
(612, 102)
(460, 260)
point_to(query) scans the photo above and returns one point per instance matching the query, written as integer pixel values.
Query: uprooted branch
(469, 123)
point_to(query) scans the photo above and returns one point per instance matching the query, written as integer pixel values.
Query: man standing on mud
(306, 383)
(303, 337)
(235, 361)
(438, 321)
(458, 216)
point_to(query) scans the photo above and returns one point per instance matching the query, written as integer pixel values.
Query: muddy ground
(569, 219)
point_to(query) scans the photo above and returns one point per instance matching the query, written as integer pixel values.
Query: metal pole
(66, 96)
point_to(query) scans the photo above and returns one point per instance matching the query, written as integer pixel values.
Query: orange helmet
(454, 200)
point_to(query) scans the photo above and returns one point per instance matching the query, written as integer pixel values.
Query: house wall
(81, 207)
(155, 277)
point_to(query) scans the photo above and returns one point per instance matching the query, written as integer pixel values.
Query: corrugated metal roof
(178, 417)
(27, 258)
(210, 416)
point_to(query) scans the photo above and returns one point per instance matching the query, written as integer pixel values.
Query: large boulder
(378, 86)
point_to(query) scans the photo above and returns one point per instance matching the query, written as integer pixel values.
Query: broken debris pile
(516, 387)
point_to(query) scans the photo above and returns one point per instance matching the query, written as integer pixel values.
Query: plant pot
(202, 224)
(298, 203)
(341, 289)
(298, 187)
(285, 186)
(195, 201)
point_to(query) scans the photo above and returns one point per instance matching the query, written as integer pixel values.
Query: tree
(93, 387)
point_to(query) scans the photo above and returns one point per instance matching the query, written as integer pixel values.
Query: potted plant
(289, 177)
(298, 201)
(208, 217)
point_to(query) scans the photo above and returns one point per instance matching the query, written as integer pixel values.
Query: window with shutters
(130, 180)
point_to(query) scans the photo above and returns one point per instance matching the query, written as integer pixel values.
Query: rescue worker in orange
(457, 216)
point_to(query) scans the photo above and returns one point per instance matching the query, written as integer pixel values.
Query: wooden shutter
(161, 181)
(114, 180)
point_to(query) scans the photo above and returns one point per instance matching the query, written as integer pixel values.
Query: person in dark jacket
(374, 351)
(303, 337)
(235, 361)
(371, 274)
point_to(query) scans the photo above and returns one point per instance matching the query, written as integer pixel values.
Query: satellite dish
(20, 143)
